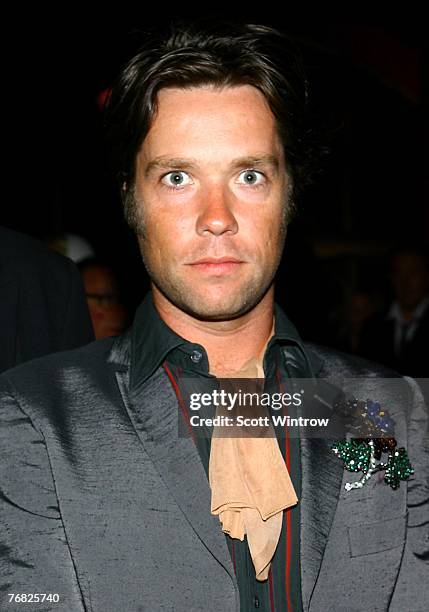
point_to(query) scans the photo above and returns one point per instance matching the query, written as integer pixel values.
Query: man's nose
(216, 216)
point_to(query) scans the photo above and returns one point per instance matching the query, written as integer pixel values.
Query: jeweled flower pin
(374, 429)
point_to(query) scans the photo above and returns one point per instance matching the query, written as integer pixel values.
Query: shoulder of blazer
(42, 379)
(334, 363)
(55, 389)
(402, 395)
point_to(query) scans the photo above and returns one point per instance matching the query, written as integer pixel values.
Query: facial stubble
(179, 293)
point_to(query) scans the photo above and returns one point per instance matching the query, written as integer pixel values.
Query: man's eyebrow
(163, 162)
(252, 161)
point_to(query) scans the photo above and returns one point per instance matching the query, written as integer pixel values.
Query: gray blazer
(103, 505)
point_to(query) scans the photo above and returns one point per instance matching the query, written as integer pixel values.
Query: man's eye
(176, 179)
(251, 177)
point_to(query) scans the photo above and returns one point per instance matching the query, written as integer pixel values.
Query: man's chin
(205, 309)
(213, 304)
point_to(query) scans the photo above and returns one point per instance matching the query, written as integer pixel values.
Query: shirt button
(196, 356)
(257, 602)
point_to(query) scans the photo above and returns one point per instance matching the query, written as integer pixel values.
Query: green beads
(398, 468)
(373, 429)
(355, 455)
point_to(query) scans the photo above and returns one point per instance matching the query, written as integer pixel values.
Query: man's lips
(217, 266)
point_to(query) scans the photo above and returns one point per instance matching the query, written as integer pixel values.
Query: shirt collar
(152, 341)
(395, 311)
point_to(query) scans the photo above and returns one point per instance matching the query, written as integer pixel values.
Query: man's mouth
(217, 266)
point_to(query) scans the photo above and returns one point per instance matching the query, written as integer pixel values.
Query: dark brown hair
(218, 54)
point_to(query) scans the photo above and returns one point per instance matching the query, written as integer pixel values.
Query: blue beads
(373, 436)
(386, 423)
(372, 408)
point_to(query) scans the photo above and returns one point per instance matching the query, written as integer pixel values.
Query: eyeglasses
(105, 300)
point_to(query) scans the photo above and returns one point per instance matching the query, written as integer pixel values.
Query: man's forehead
(229, 124)
(212, 105)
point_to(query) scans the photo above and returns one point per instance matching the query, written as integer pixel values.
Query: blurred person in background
(42, 304)
(399, 336)
(102, 289)
(347, 324)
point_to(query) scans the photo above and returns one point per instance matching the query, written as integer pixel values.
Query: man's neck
(229, 344)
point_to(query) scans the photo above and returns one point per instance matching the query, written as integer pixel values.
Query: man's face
(410, 279)
(108, 314)
(212, 189)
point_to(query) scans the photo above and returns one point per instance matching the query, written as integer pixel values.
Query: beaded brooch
(374, 430)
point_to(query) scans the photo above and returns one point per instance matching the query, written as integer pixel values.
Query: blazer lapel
(322, 475)
(153, 410)
(321, 472)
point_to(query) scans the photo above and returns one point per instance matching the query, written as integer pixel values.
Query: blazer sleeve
(34, 555)
(412, 586)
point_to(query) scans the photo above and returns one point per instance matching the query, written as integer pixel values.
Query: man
(42, 305)
(106, 505)
(398, 338)
(102, 289)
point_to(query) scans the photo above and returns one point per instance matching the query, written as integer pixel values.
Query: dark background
(369, 84)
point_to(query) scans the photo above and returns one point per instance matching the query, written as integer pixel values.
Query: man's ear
(124, 192)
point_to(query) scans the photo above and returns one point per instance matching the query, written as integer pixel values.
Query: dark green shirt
(154, 344)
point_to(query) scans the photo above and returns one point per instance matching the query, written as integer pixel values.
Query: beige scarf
(250, 485)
